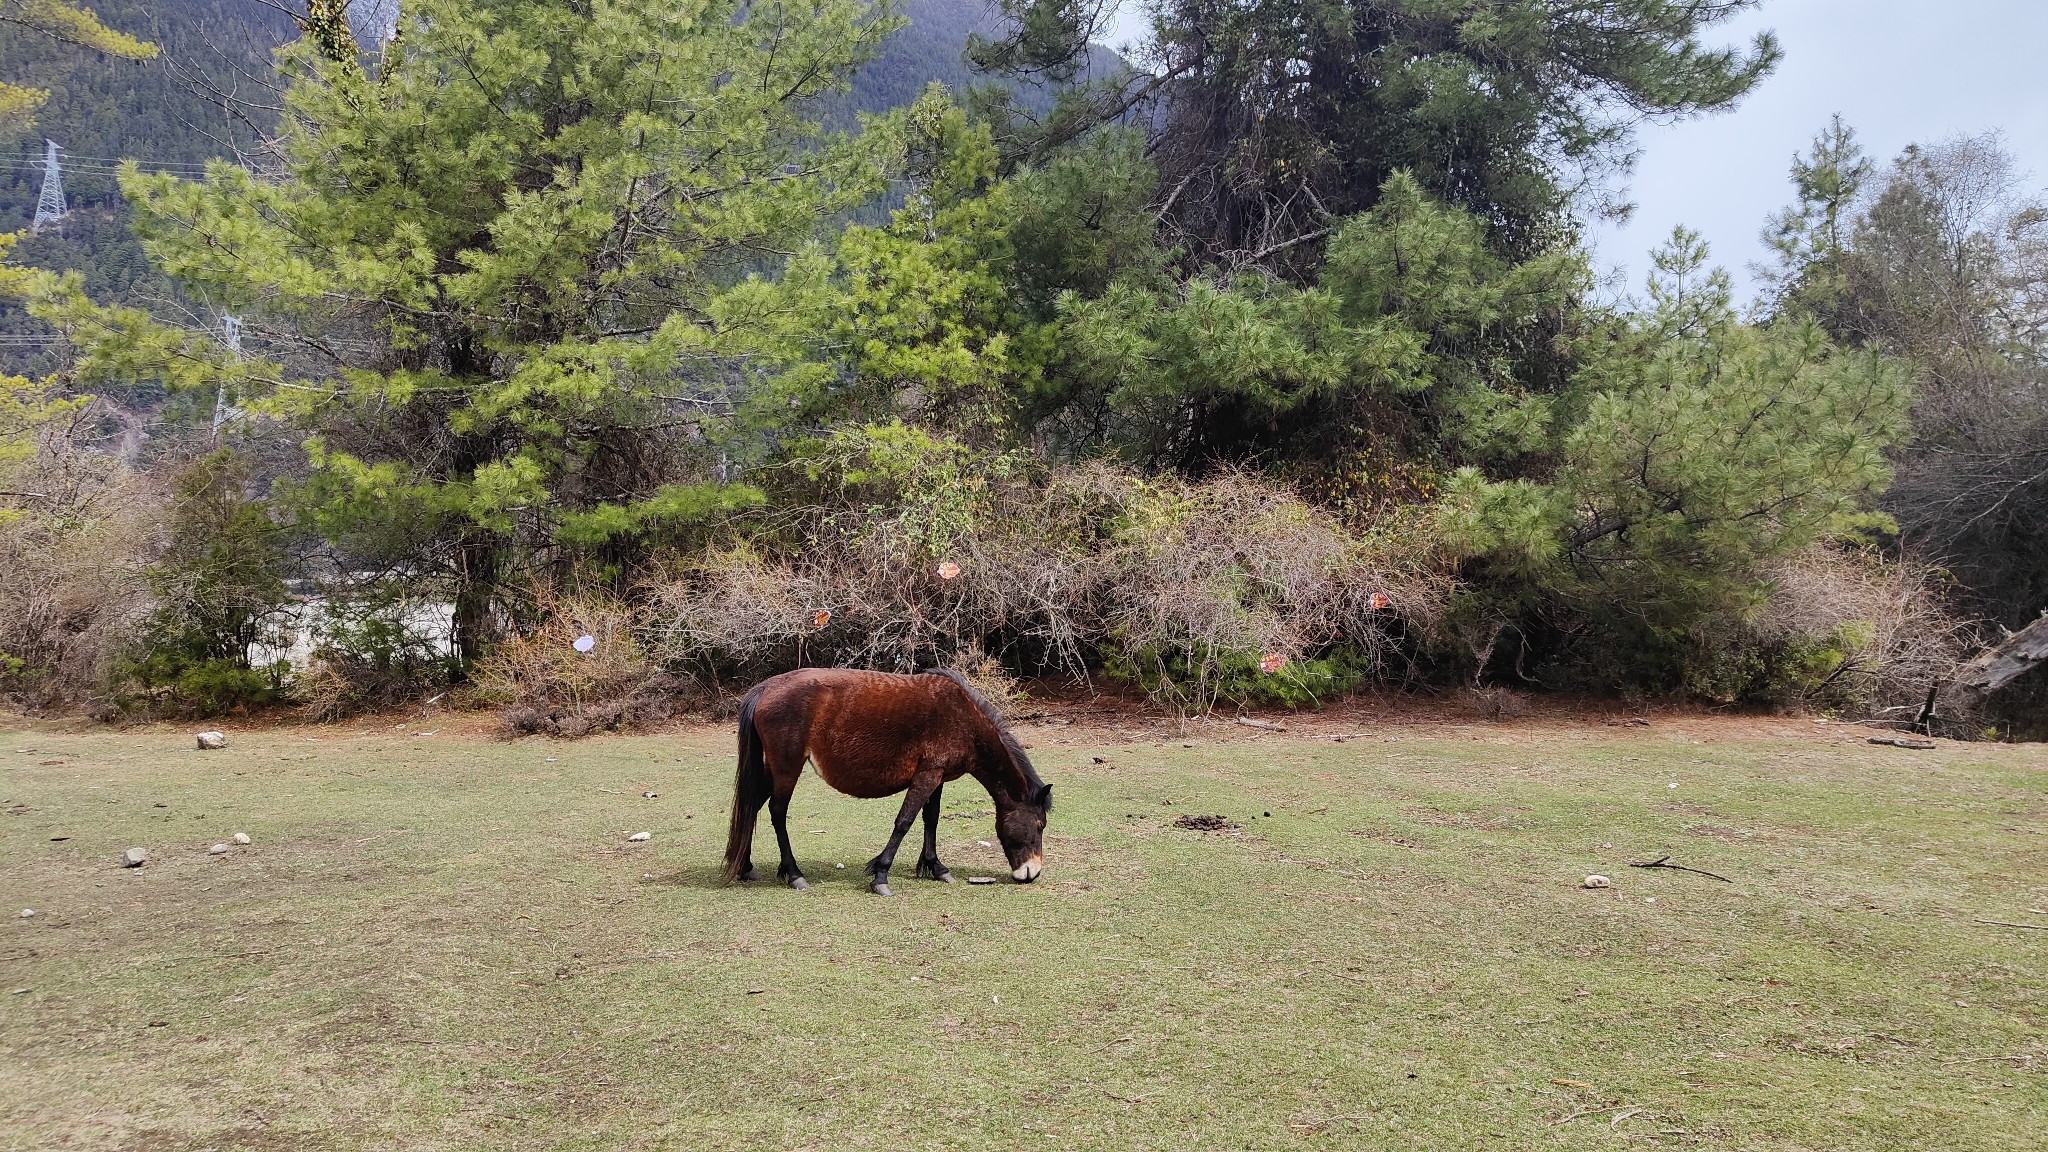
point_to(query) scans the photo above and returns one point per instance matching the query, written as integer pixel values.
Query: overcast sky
(1899, 71)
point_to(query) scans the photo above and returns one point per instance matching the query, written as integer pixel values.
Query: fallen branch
(1261, 725)
(2005, 661)
(2011, 924)
(1903, 742)
(1665, 862)
(1582, 1113)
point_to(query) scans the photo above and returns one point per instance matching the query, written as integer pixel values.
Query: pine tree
(488, 280)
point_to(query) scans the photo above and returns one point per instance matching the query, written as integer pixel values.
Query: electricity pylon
(50, 207)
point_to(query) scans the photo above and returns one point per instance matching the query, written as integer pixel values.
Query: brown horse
(874, 734)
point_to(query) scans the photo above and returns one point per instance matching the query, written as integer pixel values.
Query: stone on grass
(1598, 881)
(26, 913)
(135, 858)
(217, 850)
(240, 837)
(212, 741)
(637, 837)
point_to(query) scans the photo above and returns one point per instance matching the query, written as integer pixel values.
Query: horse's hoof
(800, 884)
(750, 875)
(944, 877)
(881, 889)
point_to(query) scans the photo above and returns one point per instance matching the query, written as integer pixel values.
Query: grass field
(444, 942)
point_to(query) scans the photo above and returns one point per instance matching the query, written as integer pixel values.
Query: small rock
(984, 843)
(840, 867)
(981, 879)
(217, 850)
(240, 837)
(1100, 759)
(1598, 881)
(28, 913)
(638, 837)
(135, 858)
(19, 992)
(648, 795)
(212, 741)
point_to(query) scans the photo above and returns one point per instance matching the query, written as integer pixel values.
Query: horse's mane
(995, 718)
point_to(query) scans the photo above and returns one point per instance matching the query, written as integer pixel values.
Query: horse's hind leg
(922, 788)
(928, 866)
(778, 811)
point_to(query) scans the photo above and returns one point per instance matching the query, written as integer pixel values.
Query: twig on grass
(1261, 725)
(2013, 924)
(1665, 862)
(1990, 1059)
(1626, 1112)
(1114, 1043)
(1326, 1121)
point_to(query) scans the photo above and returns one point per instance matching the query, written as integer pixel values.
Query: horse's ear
(1043, 799)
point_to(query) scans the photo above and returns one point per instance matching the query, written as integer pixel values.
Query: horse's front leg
(928, 865)
(923, 787)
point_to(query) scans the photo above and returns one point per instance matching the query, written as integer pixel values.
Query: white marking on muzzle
(1028, 871)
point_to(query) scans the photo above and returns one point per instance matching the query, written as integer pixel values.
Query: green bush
(203, 686)
(219, 589)
(1239, 678)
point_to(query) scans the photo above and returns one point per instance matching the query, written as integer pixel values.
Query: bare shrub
(1495, 703)
(1843, 628)
(73, 549)
(544, 684)
(1182, 587)
(1207, 579)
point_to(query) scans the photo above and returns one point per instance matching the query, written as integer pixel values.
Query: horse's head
(1020, 825)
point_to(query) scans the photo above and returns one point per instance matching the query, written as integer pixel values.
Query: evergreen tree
(489, 278)
(1811, 239)
(1277, 118)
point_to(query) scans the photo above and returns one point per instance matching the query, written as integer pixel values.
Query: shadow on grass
(711, 878)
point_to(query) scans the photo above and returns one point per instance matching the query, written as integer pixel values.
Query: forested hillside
(211, 93)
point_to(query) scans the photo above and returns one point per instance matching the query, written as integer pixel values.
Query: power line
(25, 165)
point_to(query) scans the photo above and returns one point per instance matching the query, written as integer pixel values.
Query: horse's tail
(749, 790)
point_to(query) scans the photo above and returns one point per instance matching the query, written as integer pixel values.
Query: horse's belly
(864, 777)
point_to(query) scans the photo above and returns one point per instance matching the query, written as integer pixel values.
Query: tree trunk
(476, 586)
(2000, 664)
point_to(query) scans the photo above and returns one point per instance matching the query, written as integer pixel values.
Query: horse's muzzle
(1028, 871)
